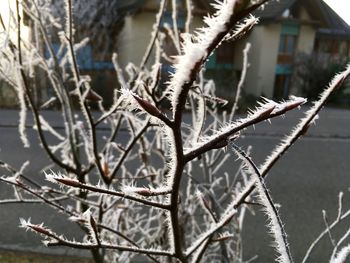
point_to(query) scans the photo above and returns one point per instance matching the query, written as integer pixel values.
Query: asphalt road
(304, 182)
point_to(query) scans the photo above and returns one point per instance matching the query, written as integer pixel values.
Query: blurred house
(100, 22)
(286, 28)
(8, 97)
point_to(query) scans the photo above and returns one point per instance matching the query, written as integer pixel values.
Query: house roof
(337, 27)
(330, 23)
(273, 9)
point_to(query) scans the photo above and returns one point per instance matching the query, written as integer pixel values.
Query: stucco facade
(137, 32)
(266, 62)
(8, 96)
(262, 59)
(134, 38)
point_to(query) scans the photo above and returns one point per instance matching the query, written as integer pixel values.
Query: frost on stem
(275, 223)
(241, 81)
(23, 110)
(89, 222)
(265, 108)
(310, 117)
(197, 47)
(342, 255)
(27, 225)
(69, 27)
(87, 143)
(145, 191)
(60, 178)
(47, 127)
(132, 101)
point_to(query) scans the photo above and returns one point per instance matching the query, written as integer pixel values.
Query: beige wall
(307, 34)
(306, 39)
(134, 38)
(262, 59)
(263, 56)
(5, 7)
(136, 34)
(305, 44)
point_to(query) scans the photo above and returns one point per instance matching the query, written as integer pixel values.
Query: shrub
(312, 77)
(141, 196)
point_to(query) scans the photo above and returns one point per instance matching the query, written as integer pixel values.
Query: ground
(27, 257)
(305, 181)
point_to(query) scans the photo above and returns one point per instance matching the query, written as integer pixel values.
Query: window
(281, 89)
(287, 44)
(225, 53)
(286, 49)
(167, 18)
(285, 59)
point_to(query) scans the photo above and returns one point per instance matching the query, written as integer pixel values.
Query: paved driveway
(304, 182)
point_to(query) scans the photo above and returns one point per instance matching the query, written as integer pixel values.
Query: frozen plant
(145, 199)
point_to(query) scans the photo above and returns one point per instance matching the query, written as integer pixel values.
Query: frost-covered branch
(197, 48)
(267, 110)
(300, 129)
(54, 239)
(241, 81)
(275, 224)
(150, 165)
(76, 184)
(154, 35)
(340, 217)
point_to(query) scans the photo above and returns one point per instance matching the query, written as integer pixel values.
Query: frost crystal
(195, 47)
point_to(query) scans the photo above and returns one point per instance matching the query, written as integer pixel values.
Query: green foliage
(312, 77)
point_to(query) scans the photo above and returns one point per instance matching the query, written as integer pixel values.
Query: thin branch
(188, 15)
(265, 112)
(32, 103)
(241, 81)
(276, 224)
(57, 240)
(125, 238)
(341, 240)
(175, 28)
(325, 220)
(322, 234)
(127, 151)
(31, 201)
(154, 34)
(299, 130)
(96, 189)
(54, 204)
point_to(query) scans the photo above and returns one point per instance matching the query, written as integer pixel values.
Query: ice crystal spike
(275, 223)
(342, 255)
(196, 47)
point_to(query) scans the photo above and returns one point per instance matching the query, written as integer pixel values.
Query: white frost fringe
(342, 255)
(275, 224)
(195, 47)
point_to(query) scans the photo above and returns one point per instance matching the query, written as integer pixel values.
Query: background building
(289, 31)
